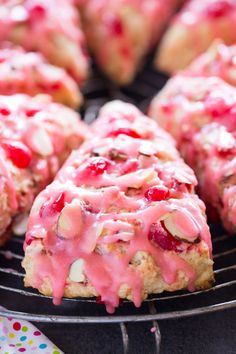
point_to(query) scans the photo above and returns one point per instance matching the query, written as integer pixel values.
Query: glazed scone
(37, 135)
(219, 60)
(186, 104)
(193, 30)
(184, 107)
(30, 73)
(50, 27)
(120, 33)
(121, 219)
(215, 167)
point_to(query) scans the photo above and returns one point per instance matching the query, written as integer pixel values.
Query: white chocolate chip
(20, 225)
(77, 271)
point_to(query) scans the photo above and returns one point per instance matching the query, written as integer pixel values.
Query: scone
(120, 33)
(121, 219)
(183, 108)
(219, 60)
(50, 27)
(193, 30)
(30, 73)
(36, 138)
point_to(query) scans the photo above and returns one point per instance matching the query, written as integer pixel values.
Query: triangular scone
(193, 30)
(30, 73)
(37, 135)
(219, 60)
(50, 27)
(120, 33)
(121, 219)
(183, 108)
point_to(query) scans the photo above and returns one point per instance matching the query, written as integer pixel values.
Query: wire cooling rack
(28, 304)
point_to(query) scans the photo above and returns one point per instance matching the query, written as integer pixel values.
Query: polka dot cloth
(22, 337)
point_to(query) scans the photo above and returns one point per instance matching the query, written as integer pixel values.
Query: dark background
(206, 334)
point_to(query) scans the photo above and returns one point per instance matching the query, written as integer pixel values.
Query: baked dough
(120, 33)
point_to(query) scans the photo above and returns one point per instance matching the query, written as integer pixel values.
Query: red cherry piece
(157, 193)
(161, 237)
(216, 106)
(5, 111)
(37, 12)
(98, 165)
(218, 8)
(50, 209)
(226, 151)
(18, 153)
(115, 26)
(31, 112)
(56, 86)
(29, 240)
(125, 131)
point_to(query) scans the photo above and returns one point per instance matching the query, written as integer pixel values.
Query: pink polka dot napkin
(18, 336)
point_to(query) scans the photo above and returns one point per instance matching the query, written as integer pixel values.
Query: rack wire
(19, 302)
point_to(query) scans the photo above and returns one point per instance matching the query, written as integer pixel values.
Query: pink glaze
(115, 214)
(31, 73)
(219, 60)
(194, 102)
(39, 19)
(21, 134)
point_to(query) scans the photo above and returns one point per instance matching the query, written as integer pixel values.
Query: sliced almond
(182, 226)
(41, 143)
(147, 149)
(70, 221)
(77, 271)
(20, 225)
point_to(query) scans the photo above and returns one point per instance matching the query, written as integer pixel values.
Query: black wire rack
(28, 304)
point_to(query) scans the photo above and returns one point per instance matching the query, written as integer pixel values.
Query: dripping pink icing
(114, 211)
